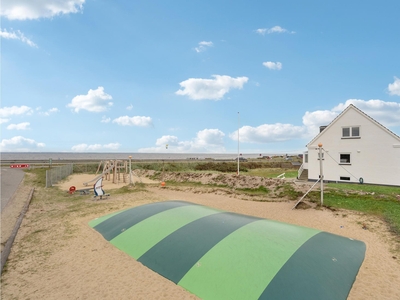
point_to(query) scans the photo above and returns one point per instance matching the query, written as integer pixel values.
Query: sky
(193, 76)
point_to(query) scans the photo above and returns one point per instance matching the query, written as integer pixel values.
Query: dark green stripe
(177, 253)
(325, 267)
(113, 226)
(246, 261)
(138, 239)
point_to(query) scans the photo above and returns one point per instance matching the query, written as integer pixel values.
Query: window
(351, 132)
(344, 178)
(344, 158)
(306, 158)
(346, 131)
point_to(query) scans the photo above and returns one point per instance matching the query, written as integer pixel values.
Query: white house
(355, 148)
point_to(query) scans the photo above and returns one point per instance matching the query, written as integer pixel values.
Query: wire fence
(56, 174)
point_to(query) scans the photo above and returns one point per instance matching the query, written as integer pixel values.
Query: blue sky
(136, 76)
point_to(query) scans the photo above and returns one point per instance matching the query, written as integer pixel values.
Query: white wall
(373, 155)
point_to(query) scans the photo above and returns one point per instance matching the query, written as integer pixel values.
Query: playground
(115, 174)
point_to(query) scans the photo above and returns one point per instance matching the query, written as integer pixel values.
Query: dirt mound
(276, 187)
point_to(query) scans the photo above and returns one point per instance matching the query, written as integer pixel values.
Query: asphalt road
(10, 180)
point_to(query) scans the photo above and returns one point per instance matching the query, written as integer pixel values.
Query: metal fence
(56, 174)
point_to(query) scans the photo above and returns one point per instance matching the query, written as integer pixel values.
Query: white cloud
(95, 147)
(203, 46)
(15, 110)
(30, 9)
(268, 133)
(104, 119)
(16, 35)
(313, 120)
(206, 141)
(394, 88)
(129, 107)
(93, 101)
(386, 113)
(275, 29)
(20, 126)
(213, 89)
(262, 31)
(167, 140)
(273, 65)
(210, 137)
(48, 112)
(2, 120)
(20, 144)
(133, 121)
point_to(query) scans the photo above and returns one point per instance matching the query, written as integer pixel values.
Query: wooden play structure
(116, 170)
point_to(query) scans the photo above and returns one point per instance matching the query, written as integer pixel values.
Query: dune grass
(381, 201)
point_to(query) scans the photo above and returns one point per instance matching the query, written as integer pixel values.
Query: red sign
(19, 166)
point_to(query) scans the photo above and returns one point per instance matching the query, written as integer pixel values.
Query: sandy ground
(58, 256)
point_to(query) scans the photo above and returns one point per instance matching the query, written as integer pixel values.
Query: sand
(63, 258)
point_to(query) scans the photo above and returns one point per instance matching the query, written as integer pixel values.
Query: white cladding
(374, 154)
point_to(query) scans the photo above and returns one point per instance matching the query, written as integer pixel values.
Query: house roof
(351, 106)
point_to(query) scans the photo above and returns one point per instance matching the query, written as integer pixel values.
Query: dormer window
(351, 132)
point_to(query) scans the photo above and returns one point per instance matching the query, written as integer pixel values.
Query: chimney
(321, 128)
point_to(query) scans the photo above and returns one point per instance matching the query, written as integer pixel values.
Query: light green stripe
(139, 238)
(243, 264)
(97, 221)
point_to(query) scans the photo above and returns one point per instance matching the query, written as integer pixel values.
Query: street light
(130, 172)
(238, 145)
(321, 175)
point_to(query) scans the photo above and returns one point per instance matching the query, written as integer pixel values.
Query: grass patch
(261, 190)
(380, 201)
(272, 172)
(287, 190)
(194, 184)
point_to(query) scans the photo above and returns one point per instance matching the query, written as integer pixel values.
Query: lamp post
(238, 145)
(130, 172)
(321, 174)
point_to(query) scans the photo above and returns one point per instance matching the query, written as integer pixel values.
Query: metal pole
(321, 174)
(130, 171)
(238, 145)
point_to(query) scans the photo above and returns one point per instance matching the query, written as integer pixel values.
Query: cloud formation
(20, 144)
(203, 46)
(134, 121)
(273, 65)
(104, 119)
(16, 35)
(15, 110)
(394, 88)
(206, 141)
(268, 133)
(29, 9)
(47, 112)
(275, 29)
(211, 89)
(95, 147)
(20, 126)
(93, 101)
(386, 113)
